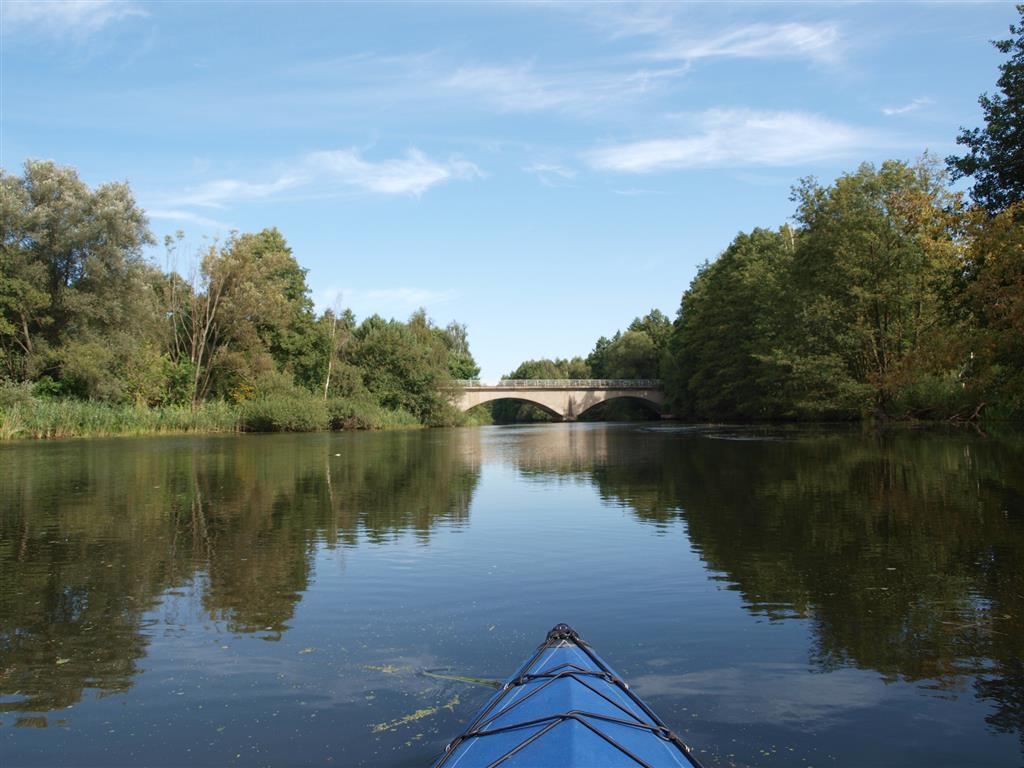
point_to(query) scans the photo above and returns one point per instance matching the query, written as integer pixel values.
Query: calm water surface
(782, 597)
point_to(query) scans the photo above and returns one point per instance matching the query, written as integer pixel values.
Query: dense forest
(890, 295)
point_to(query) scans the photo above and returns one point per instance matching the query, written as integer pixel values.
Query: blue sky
(543, 172)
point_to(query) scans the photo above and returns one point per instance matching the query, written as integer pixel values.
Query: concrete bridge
(565, 399)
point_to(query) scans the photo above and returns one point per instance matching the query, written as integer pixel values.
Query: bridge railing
(562, 384)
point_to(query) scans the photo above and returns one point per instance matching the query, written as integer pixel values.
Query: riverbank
(39, 418)
(28, 417)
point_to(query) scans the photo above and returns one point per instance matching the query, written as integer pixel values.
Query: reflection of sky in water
(778, 694)
(315, 598)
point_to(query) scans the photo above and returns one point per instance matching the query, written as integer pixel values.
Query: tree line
(889, 295)
(84, 315)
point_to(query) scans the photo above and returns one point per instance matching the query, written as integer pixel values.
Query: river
(780, 596)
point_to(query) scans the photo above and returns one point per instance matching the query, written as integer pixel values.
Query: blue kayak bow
(566, 708)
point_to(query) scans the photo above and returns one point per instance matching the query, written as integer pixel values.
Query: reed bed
(41, 418)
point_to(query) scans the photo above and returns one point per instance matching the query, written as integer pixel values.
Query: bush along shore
(27, 416)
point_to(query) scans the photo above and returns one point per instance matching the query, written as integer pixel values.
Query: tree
(73, 281)
(596, 360)
(461, 364)
(656, 325)
(995, 157)
(632, 356)
(243, 312)
(718, 359)
(873, 255)
(636, 357)
(546, 368)
(285, 322)
(405, 366)
(994, 297)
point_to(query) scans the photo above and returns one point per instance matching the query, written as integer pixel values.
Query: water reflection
(93, 533)
(901, 550)
(905, 549)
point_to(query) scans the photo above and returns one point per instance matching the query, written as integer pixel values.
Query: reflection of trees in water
(91, 534)
(905, 550)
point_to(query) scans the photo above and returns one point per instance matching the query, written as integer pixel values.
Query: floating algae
(419, 714)
(463, 679)
(391, 669)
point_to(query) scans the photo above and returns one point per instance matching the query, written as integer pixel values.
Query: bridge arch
(566, 399)
(517, 397)
(654, 406)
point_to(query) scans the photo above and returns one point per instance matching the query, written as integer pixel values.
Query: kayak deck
(566, 707)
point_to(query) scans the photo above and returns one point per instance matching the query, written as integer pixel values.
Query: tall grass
(40, 418)
(25, 416)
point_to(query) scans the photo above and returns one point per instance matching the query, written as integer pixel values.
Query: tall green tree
(455, 338)
(719, 353)
(288, 330)
(597, 359)
(993, 295)
(635, 354)
(77, 296)
(244, 312)
(995, 152)
(873, 256)
(405, 365)
(656, 325)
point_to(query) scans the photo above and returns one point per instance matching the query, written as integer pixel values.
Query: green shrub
(933, 396)
(476, 417)
(295, 411)
(12, 394)
(398, 418)
(443, 414)
(364, 412)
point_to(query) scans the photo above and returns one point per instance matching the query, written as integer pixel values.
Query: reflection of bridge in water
(565, 399)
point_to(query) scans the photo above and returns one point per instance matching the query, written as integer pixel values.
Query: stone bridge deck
(566, 399)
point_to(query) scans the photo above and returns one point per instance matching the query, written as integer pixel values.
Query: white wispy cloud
(819, 42)
(521, 88)
(551, 174)
(633, 19)
(736, 138)
(65, 18)
(187, 216)
(912, 106)
(219, 193)
(676, 33)
(330, 171)
(413, 174)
